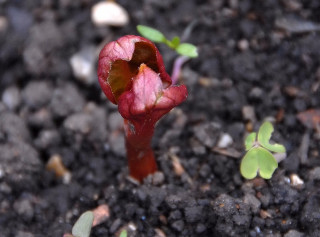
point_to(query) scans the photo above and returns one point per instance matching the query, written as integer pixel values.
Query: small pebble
(253, 202)
(293, 233)
(178, 225)
(243, 44)
(314, 174)
(101, 214)
(248, 113)
(296, 181)
(115, 225)
(158, 178)
(109, 13)
(225, 140)
(11, 97)
(83, 65)
(24, 208)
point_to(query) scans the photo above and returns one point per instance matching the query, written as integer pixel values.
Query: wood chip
(178, 168)
(230, 152)
(55, 164)
(264, 214)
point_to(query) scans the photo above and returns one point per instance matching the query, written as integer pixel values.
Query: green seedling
(83, 225)
(259, 157)
(184, 49)
(123, 233)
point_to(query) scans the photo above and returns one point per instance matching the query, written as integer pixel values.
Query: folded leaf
(264, 136)
(250, 140)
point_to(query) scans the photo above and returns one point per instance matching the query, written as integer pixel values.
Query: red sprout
(132, 75)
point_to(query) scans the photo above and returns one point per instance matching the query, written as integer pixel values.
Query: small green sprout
(123, 233)
(83, 225)
(259, 157)
(156, 36)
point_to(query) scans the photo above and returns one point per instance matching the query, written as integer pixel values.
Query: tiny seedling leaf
(124, 233)
(175, 42)
(151, 33)
(82, 227)
(249, 164)
(267, 163)
(187, 50)
(249, 142)
(257, 160)
(264, 136)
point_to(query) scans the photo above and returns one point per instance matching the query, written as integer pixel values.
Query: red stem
(140, 155)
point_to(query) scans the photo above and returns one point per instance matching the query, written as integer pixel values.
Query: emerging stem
(140, 155)
(177, 67)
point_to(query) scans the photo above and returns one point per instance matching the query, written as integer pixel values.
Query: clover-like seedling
(132, 75)
(156, 36)
(124, 233)
(259, 157)
(83, 225)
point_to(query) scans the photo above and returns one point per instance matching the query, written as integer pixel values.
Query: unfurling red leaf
(186, 49)
(149, 99)
(257, 160)
(151, 34)
(250, 140)
(82, 227)
(120, 60)
(264, 136)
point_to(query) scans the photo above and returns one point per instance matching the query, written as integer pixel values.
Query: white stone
(224, 141)
(109, 13)
(83, 65)
(11, 97)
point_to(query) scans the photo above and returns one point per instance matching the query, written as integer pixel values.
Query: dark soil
(246, 59)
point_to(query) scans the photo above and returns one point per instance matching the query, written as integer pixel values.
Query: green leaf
(264, 136)
(82, 227)
(187, 50)
(257, 160)
(249, 164)
(249, 142)
(267, 163)
(175, 42)
(124, 233)
(151, 33)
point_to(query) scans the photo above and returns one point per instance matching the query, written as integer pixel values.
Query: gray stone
(66, 101)
(293, 233)
(83, 65)
(178, 225)
(20, 164)
(11, 97)
(314, 174)
(47, 138)
(37, 94)
(253, 202)
(207, 133)
(13, 128)
(24, 208)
